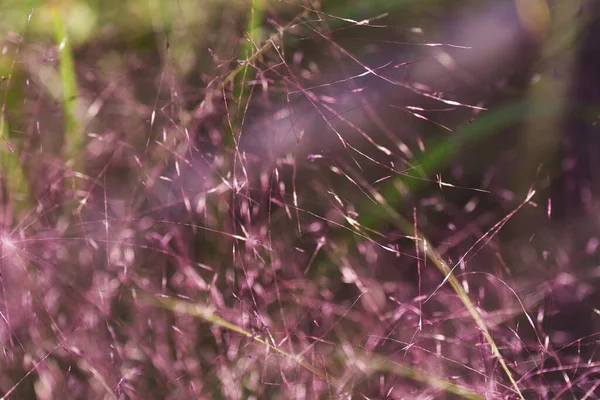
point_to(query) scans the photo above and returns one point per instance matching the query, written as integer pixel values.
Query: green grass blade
(70, 92)
(408, 229)
(12, 175)
(442, 153)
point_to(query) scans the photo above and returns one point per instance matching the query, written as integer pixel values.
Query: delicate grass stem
(373, 361)
(385, 365)
(408, 229)
(206, 314)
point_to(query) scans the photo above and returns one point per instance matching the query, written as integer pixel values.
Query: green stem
(374, 361)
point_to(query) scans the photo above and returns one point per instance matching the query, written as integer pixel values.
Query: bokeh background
(299, 199)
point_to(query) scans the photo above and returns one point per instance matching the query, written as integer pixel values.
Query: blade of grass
(254, 32)
(73, 136)
(12, 174)
(70, 92)
(446, 150)
(259, 49)
(382, 364)
(409, 229)
(541, 139)
(375, 362)
(205, 313)
(241, 90)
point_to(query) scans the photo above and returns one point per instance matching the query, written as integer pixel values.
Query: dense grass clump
(298, 199)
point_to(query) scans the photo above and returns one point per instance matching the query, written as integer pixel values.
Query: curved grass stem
(372, 361)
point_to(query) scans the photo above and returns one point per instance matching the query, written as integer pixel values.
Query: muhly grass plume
(326, 209)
